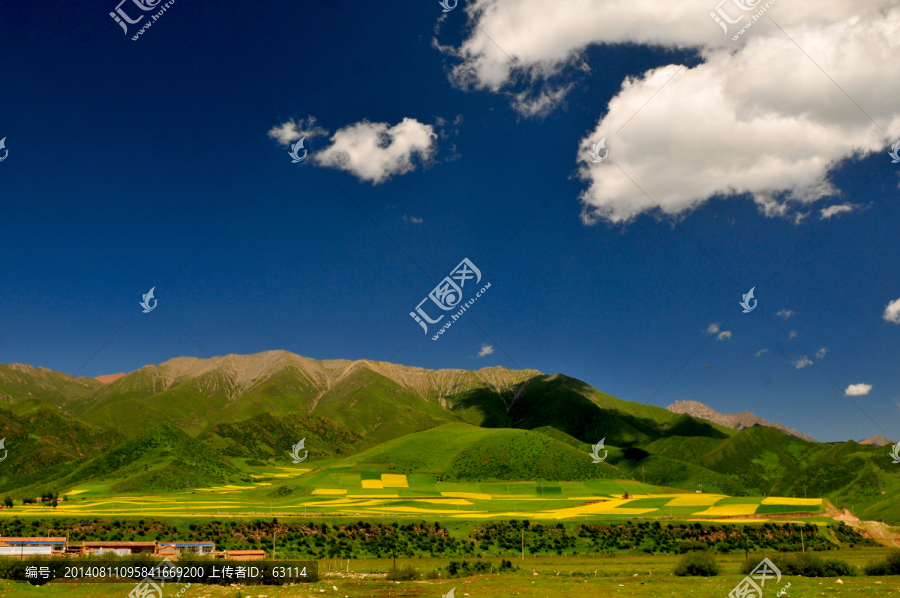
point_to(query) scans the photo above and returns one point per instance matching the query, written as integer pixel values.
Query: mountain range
(209, 418)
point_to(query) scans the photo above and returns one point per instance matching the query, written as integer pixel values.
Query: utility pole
(523, 543)
(273, 544)
(802, 543)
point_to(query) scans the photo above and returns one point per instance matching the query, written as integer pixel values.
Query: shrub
(889, 566)
(404, 573)
(697, 563)
(807, 565)
(691, 545)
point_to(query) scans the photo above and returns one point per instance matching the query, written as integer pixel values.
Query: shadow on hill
(564, 403)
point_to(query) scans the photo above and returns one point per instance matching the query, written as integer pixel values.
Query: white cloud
(527, 39)
(540, 104)
(855, 390)
(375, 152)
(485, 350)
(785, 313)
(820, 354)
(892, 312)
(723, 335)
(830, 211)
(802, 362)
(793, 334)
(761, 351)
(291, 131)
(762, 119)
(413, 219)
(712, 329)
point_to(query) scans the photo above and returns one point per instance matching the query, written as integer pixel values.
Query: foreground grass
(576, 577)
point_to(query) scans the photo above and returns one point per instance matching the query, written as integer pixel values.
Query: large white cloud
(376, 151)
(758, 116)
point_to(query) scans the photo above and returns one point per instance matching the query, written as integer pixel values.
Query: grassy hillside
(159, 460)
(465, 452)
(266, 436)
(23, 383)
(43, 440)
(580, 411)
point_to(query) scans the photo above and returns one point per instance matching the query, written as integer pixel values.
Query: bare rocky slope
(738, 421)
(877, 441)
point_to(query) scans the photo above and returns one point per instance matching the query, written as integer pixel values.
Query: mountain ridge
(737, 421)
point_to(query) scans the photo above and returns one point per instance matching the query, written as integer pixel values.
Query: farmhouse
(188, 547)
(119, 548)
(31, 546)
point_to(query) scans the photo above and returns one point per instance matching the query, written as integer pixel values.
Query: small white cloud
(712, 329)
(761, 351)
(802, 362)
(793, 334)
(485, 350)
(830, 211)
(413, 219)
(375, 152)
(723, 335)
(892, 312)
(820, 354)
(856, 390)
(785, 313)
(541, 104)
(291, 131)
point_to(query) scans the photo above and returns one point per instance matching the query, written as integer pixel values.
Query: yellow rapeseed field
(472, 495)
(783, 500)
(695, 500)
(393, 480)
(725, 510)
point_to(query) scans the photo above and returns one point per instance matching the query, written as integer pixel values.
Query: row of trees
(51, 498)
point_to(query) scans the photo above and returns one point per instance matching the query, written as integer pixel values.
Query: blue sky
(150, 163)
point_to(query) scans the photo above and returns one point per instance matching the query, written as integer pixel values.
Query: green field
(578, 577)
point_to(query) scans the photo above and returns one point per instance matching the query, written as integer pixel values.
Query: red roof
(120, 544)
(30, 539)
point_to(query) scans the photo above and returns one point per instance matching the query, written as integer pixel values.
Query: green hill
(266, 436)
(44, 440)
(161, 459)
(464, 452)
(580, 411)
